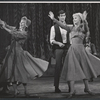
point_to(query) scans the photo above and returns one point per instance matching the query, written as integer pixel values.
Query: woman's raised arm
(85, 23)
(66, 27)
(10, 27)
(7, 27)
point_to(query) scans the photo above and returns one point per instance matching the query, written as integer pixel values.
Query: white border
(49, 1)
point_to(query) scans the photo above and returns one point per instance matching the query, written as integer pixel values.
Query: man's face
(62, 17)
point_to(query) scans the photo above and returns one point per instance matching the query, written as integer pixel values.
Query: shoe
(16, 94)
(68, 91)
(10, 84)
(91, 80)
(18, 83)
(71, 94)
(27, 94)
(89, 92)
(57, 90)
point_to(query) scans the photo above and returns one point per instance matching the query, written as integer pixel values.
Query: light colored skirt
(79, 64)
(22, 67)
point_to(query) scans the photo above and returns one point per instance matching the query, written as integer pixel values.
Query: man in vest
(60, 44)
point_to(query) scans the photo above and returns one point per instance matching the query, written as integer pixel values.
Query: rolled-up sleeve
(52, 35)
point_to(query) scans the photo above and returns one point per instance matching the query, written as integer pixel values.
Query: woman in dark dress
(19, 65)
(78, 64)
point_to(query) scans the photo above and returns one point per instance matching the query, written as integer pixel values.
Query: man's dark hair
(61, 12)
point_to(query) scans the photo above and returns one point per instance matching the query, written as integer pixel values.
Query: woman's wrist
(4, 27)
(85, 21)
(53, 19)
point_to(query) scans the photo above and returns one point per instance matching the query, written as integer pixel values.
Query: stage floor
(43, 88)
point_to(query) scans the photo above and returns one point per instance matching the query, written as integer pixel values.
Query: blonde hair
(28, 22)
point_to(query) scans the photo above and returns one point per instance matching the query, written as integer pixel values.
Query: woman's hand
(51, 15)
(84, 15)
(2, 23)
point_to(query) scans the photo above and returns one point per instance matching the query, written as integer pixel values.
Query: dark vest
(58, 37)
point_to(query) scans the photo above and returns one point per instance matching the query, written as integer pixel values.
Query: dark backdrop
(38, 41)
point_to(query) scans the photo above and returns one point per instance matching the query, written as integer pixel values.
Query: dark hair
(61, 12)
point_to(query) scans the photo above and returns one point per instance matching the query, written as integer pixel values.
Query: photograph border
(42, 3)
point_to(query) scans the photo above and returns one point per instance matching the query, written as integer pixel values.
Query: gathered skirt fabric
(22, 66)
(80, 64)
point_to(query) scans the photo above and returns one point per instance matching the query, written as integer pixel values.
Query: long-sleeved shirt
(63, 34)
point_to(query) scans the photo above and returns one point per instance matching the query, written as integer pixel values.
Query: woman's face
(22, 24)
(76, 20)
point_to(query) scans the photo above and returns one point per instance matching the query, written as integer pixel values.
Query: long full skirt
(22, 66)
(80, 64)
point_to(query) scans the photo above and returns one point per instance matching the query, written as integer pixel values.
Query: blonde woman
(78, 64)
